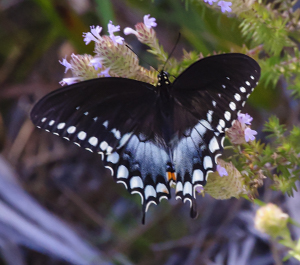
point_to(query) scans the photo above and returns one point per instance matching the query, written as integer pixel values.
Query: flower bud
(240, 133)
(145, 35)
(144, 31)
(225, 187)
(121, 61)
(271, 220)
(236, 133)
(81, 68)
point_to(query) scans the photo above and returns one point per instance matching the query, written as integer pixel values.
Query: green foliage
(273, 30)
(264, 25)
(105, 11)
(278, 160)
(294, 246)
(275, 129)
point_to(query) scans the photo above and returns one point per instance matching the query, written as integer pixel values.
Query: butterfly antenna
(178, 38)
(141, 58)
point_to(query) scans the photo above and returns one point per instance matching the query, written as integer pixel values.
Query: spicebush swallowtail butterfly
(152, 137)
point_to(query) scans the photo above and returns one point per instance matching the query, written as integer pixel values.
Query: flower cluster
(224, 5)
(144, 31)
(82, 69)
(112, 55)
(240, 131)
(146, 35)
(234, 184)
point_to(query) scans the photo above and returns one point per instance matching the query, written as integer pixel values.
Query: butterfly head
(163, 79)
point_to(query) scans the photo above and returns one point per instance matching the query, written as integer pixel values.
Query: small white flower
(69, 81)
(94, 35)
(66, 64)
(128, 31)
(149, 22)
(96, 62)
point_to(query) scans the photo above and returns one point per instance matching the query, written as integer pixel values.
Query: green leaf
(105, 11)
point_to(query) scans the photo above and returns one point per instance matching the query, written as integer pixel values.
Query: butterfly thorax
(163, 89)
(164, 107)
(163, 80)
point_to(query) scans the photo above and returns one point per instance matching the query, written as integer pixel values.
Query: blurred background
(57, 204)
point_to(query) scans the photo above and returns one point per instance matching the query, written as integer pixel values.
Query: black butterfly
(151, 137)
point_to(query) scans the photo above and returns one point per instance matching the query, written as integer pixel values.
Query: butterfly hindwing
(142, 169)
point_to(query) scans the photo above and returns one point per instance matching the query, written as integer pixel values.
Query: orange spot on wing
(171, 176)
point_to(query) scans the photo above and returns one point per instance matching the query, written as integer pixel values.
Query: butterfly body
(150, 137)
(164, 109)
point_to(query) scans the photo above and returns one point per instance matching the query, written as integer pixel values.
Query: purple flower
(96, 62)
(105, 72)
(199, 189)
(94, 35)
(222, 171)
(225, 6)
(116, 39)
(66, 64)
(249, 134)
(149, 21)
(111, 30)
(245, 118)
(210, 1)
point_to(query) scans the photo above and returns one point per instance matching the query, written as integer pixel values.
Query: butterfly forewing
(96, 108)
(150, 137)
(212, 91)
